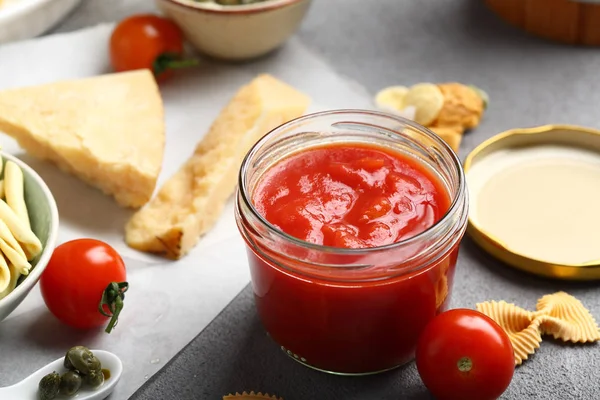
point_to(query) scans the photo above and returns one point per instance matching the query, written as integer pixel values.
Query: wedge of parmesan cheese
(191, 201)
(107, 130)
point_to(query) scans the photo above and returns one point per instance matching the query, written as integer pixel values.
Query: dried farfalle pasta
(520, 325)
(566, 318)
(250, 396)
(560, 315)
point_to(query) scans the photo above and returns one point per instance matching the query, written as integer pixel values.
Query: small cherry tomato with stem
(84, 284)
(464, 354)
(148, 41)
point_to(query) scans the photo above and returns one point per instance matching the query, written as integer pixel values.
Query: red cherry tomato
(463, 354)
(83, 275)
(147, 41)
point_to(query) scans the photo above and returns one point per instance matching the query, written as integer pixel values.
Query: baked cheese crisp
(560, 315)
(191, 201)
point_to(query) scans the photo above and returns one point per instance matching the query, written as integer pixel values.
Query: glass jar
(351, 311)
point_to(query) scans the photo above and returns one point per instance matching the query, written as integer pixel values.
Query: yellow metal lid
(530, 190)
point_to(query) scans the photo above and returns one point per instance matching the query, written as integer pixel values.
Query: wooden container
(565, 21)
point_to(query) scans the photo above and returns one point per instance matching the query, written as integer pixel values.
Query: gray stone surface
(235, 354)
(379, 43)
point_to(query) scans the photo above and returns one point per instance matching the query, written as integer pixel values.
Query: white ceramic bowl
(236, 32)
(43, 215)
(26, 19)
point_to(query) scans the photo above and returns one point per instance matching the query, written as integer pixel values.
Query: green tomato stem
(113, 297)
(464, 364)
(167, 61)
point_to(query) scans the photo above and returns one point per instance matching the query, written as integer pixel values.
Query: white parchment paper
(168, 303)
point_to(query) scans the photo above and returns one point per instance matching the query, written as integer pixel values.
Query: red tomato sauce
(350, 196)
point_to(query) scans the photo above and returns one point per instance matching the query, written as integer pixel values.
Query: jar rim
(455, 205)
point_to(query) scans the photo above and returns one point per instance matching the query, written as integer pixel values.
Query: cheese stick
(2, 194)
(191, 201)
(30, 243)
(14, 191)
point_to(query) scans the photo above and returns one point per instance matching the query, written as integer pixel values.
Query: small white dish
(236, 32)
(27, 389)
(43, 214)
(25, 19)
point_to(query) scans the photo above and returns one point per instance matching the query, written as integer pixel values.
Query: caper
(70, 382)
(80, 358)
(94, 379)
(49, 386)
(94, 364)
(67, 363)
